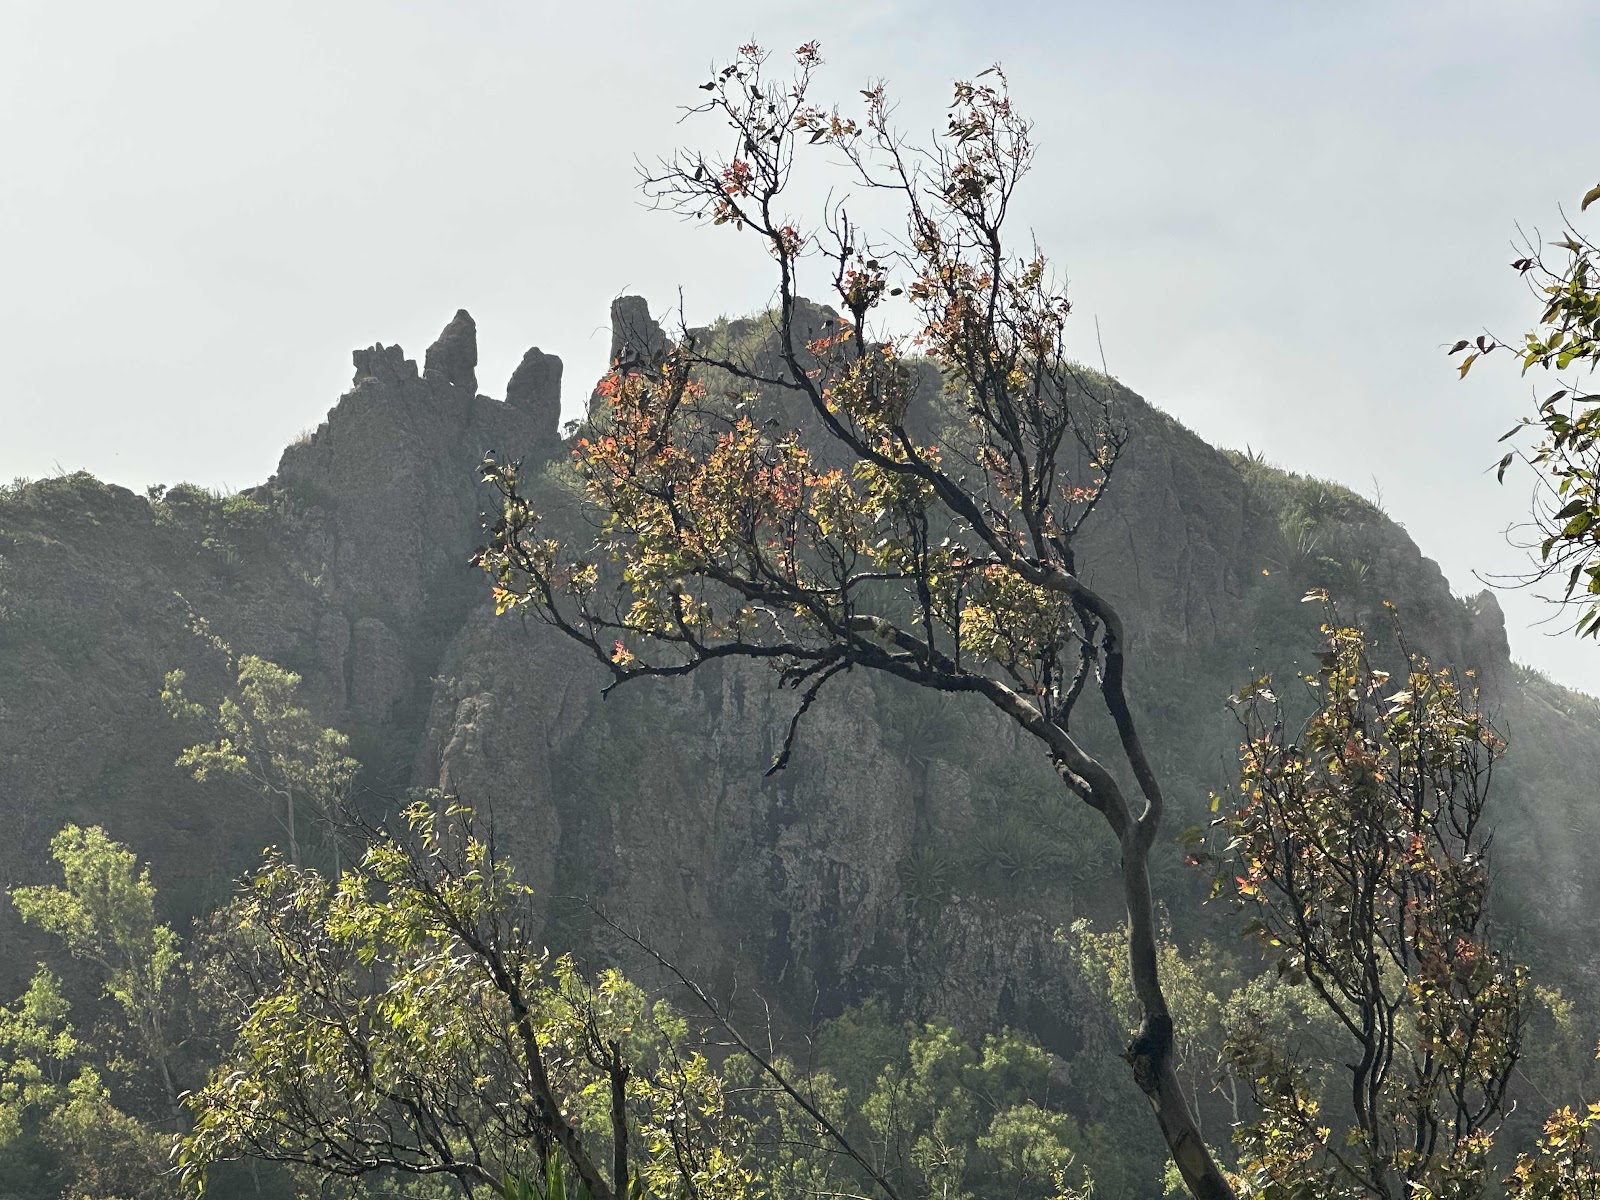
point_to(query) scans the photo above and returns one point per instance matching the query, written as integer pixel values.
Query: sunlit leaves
(262, 735)
(1015, 622)
(104, 911)
(39, 1055)
(1565, 1165)
(402, 1018)
(945, 1116)
(63, 1089)
(1567, 456)
(1359, 856)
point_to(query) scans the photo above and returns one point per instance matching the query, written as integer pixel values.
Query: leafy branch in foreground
(402, 1021)
(1358, 848)
(1566, 507)
(787, 502)
(1566, 1163)
(92, 1110)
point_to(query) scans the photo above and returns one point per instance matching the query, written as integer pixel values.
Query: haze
(1278, 215)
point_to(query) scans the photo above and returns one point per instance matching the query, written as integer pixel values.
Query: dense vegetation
(398, 1022)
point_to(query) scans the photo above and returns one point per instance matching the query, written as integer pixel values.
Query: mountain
(914, 850)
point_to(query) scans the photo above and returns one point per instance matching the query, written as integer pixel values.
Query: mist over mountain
(914, 853)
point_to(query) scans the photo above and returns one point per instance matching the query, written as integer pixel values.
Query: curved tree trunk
(1150, 1052)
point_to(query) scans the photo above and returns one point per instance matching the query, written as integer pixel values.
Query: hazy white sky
(1280, 213)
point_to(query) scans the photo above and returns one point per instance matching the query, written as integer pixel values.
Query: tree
(1566, 510)
(1564, 1165)
(1358, 848)
(41, 1064)
(263, 736)
(1221, 1000)
(56, 1086)
(60, 1133)
(938, 1116)
(789, 503)
(104, 912)
(401, 1021)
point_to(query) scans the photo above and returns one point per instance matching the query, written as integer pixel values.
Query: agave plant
(927, 878)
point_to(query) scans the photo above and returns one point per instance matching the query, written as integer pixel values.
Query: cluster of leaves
(1565, 1165)
(61, 1132)
(104, 912)
(935, 1116)
(74, 1108)
(261, 735)
(1567, 456)
(1358, 850)
(401, 1019)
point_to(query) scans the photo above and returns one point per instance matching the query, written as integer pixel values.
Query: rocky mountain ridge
(913, 850)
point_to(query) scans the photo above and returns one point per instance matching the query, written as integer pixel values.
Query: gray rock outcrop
(453, 359)
(636, 336)
(535, 388)
(386, 364)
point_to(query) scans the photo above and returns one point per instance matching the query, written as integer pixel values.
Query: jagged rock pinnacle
(386, 363)
(535, 387)
(1488, 624)
(454, 357)
(635, 333)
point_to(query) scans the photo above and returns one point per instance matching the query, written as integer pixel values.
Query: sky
(1277, 216)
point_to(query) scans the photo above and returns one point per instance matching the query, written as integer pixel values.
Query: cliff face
(913, 848)
(348, 567)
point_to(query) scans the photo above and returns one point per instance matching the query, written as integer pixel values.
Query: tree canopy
(400, 1020)
(262, 735)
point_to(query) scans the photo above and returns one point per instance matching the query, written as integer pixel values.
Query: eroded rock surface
(453, 359)
(876, 863)
(636, 337)
(535, 387)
